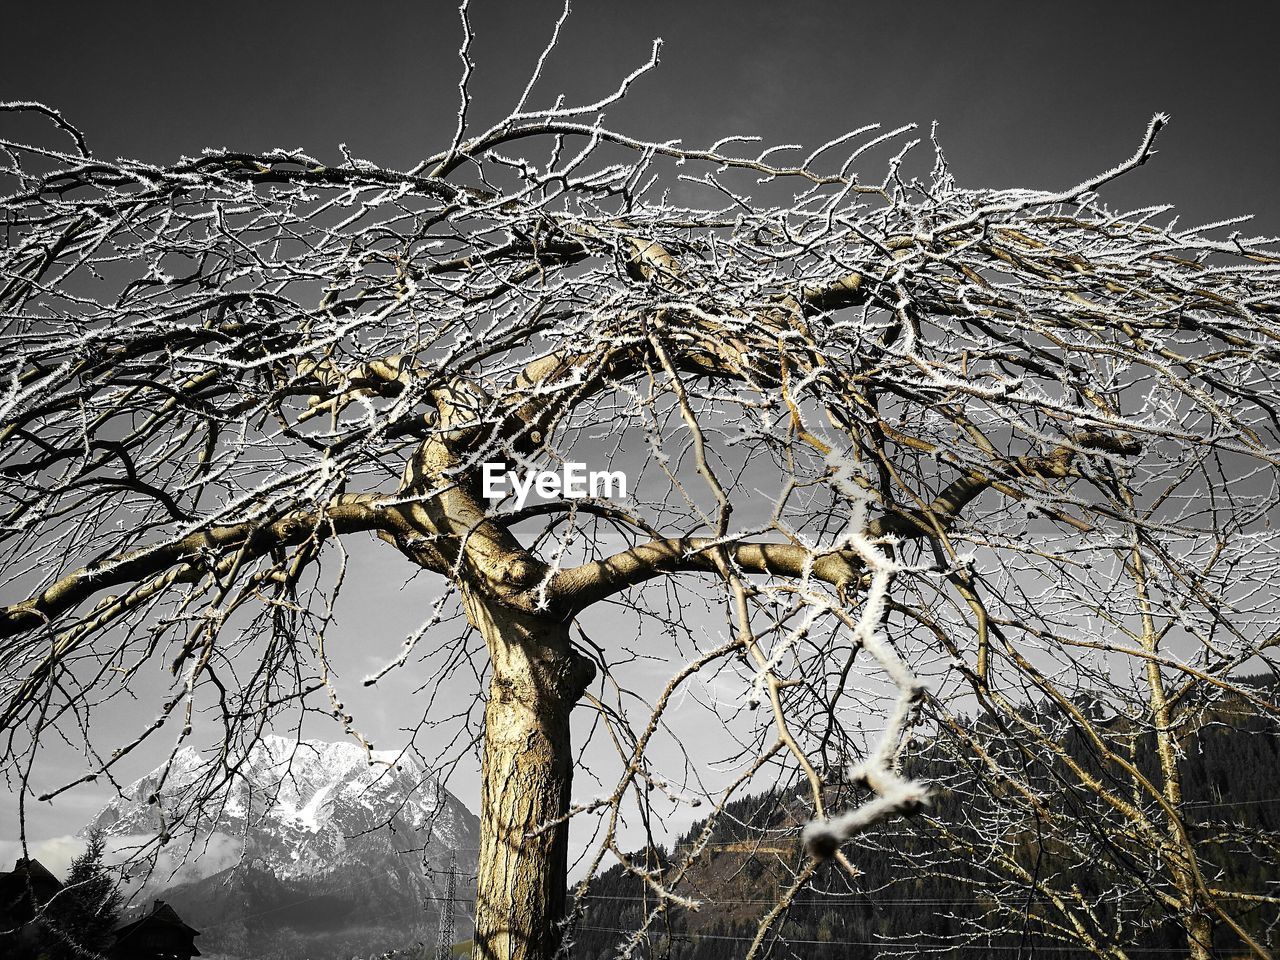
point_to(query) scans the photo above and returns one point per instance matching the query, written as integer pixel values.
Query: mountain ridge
(311, 849)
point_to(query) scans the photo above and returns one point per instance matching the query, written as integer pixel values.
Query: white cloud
(56, 853)
(182, 862)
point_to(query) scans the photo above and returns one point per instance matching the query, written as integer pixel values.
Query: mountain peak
(299, 820)
(297, 802)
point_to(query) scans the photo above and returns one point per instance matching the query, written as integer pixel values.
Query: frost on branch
(883, 434)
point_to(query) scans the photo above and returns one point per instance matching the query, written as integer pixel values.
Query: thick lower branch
(346, 514)
(581, 586)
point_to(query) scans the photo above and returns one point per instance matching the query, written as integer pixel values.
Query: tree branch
(583, 585)
(345, 514)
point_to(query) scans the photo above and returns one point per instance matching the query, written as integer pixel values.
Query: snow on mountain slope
(307, 840)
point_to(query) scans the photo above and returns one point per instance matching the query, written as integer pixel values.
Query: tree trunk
(1200, 936)
(527, 768)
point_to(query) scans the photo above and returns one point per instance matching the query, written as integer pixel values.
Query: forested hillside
(927, 885)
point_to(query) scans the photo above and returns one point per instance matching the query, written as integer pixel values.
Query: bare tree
(1001, 444)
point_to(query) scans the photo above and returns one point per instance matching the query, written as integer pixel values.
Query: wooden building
(160, 935)
(23, 891)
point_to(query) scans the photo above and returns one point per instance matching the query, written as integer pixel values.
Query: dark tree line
(1230, 767)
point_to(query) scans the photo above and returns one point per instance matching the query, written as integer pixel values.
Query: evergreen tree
(82, 917)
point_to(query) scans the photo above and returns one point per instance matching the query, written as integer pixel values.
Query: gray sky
(1035, 95)
(1026, 94)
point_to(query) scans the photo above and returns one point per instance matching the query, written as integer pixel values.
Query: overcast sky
(1025, 94)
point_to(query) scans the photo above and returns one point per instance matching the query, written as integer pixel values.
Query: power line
(1232, 803)
(875, 943)
(834, 900)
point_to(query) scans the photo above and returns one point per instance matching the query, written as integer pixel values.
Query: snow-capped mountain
(311, 849)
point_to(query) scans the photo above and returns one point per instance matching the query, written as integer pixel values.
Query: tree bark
(527, 770)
